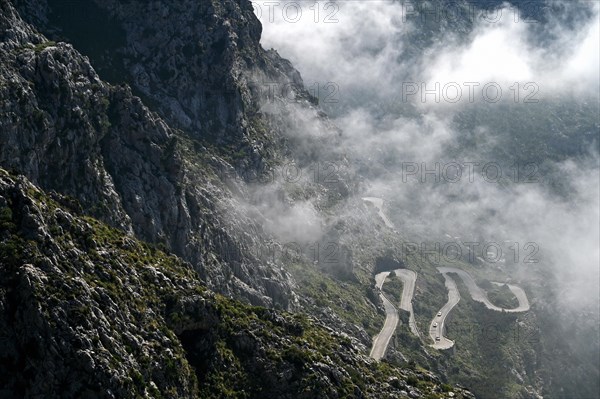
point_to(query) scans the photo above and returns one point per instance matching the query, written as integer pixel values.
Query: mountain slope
(69, 131)
(89, 311)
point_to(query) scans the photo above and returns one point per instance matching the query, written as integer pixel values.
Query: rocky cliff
(88, 311)
(129, 130)
(69, 131)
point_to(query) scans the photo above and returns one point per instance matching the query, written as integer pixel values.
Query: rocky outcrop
(88, 311)
(199, 64)
(81, 306)
(69, 131)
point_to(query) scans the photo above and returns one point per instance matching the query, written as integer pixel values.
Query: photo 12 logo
(469, 172)
(292, 12)
(450, 12)
(471, 92)
(474, 252)
(273, 92)
(319, 253)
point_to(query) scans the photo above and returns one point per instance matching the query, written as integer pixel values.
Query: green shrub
(40, 47)
(6, 219)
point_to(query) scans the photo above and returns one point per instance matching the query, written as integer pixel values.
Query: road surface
(477, 293)
(378, 202)
(382, 340)
(438, 331)
(436, 327)
(409, 278)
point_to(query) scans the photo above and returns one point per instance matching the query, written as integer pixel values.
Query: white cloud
(362, 53)
(354, 52)
(507, 52)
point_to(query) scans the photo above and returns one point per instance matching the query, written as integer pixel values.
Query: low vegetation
(146, 316)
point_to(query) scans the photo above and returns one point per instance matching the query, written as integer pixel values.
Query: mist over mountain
(487, 134)
(341, 199)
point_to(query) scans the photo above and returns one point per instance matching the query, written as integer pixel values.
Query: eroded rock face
(199, 63)
(80, 317)
(165, 176)
(88, 311)
(69, 131)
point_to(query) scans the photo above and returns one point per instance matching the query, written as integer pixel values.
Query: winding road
(378, 202)
(408, 278)
(436, 327)
(479, 295)
(382, 340)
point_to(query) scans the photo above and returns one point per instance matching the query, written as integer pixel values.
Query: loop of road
(381, 340)
(436, 327)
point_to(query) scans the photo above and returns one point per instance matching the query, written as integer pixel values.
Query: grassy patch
(392, 287)
(502, 296)
(38, 48)
(349, 300)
